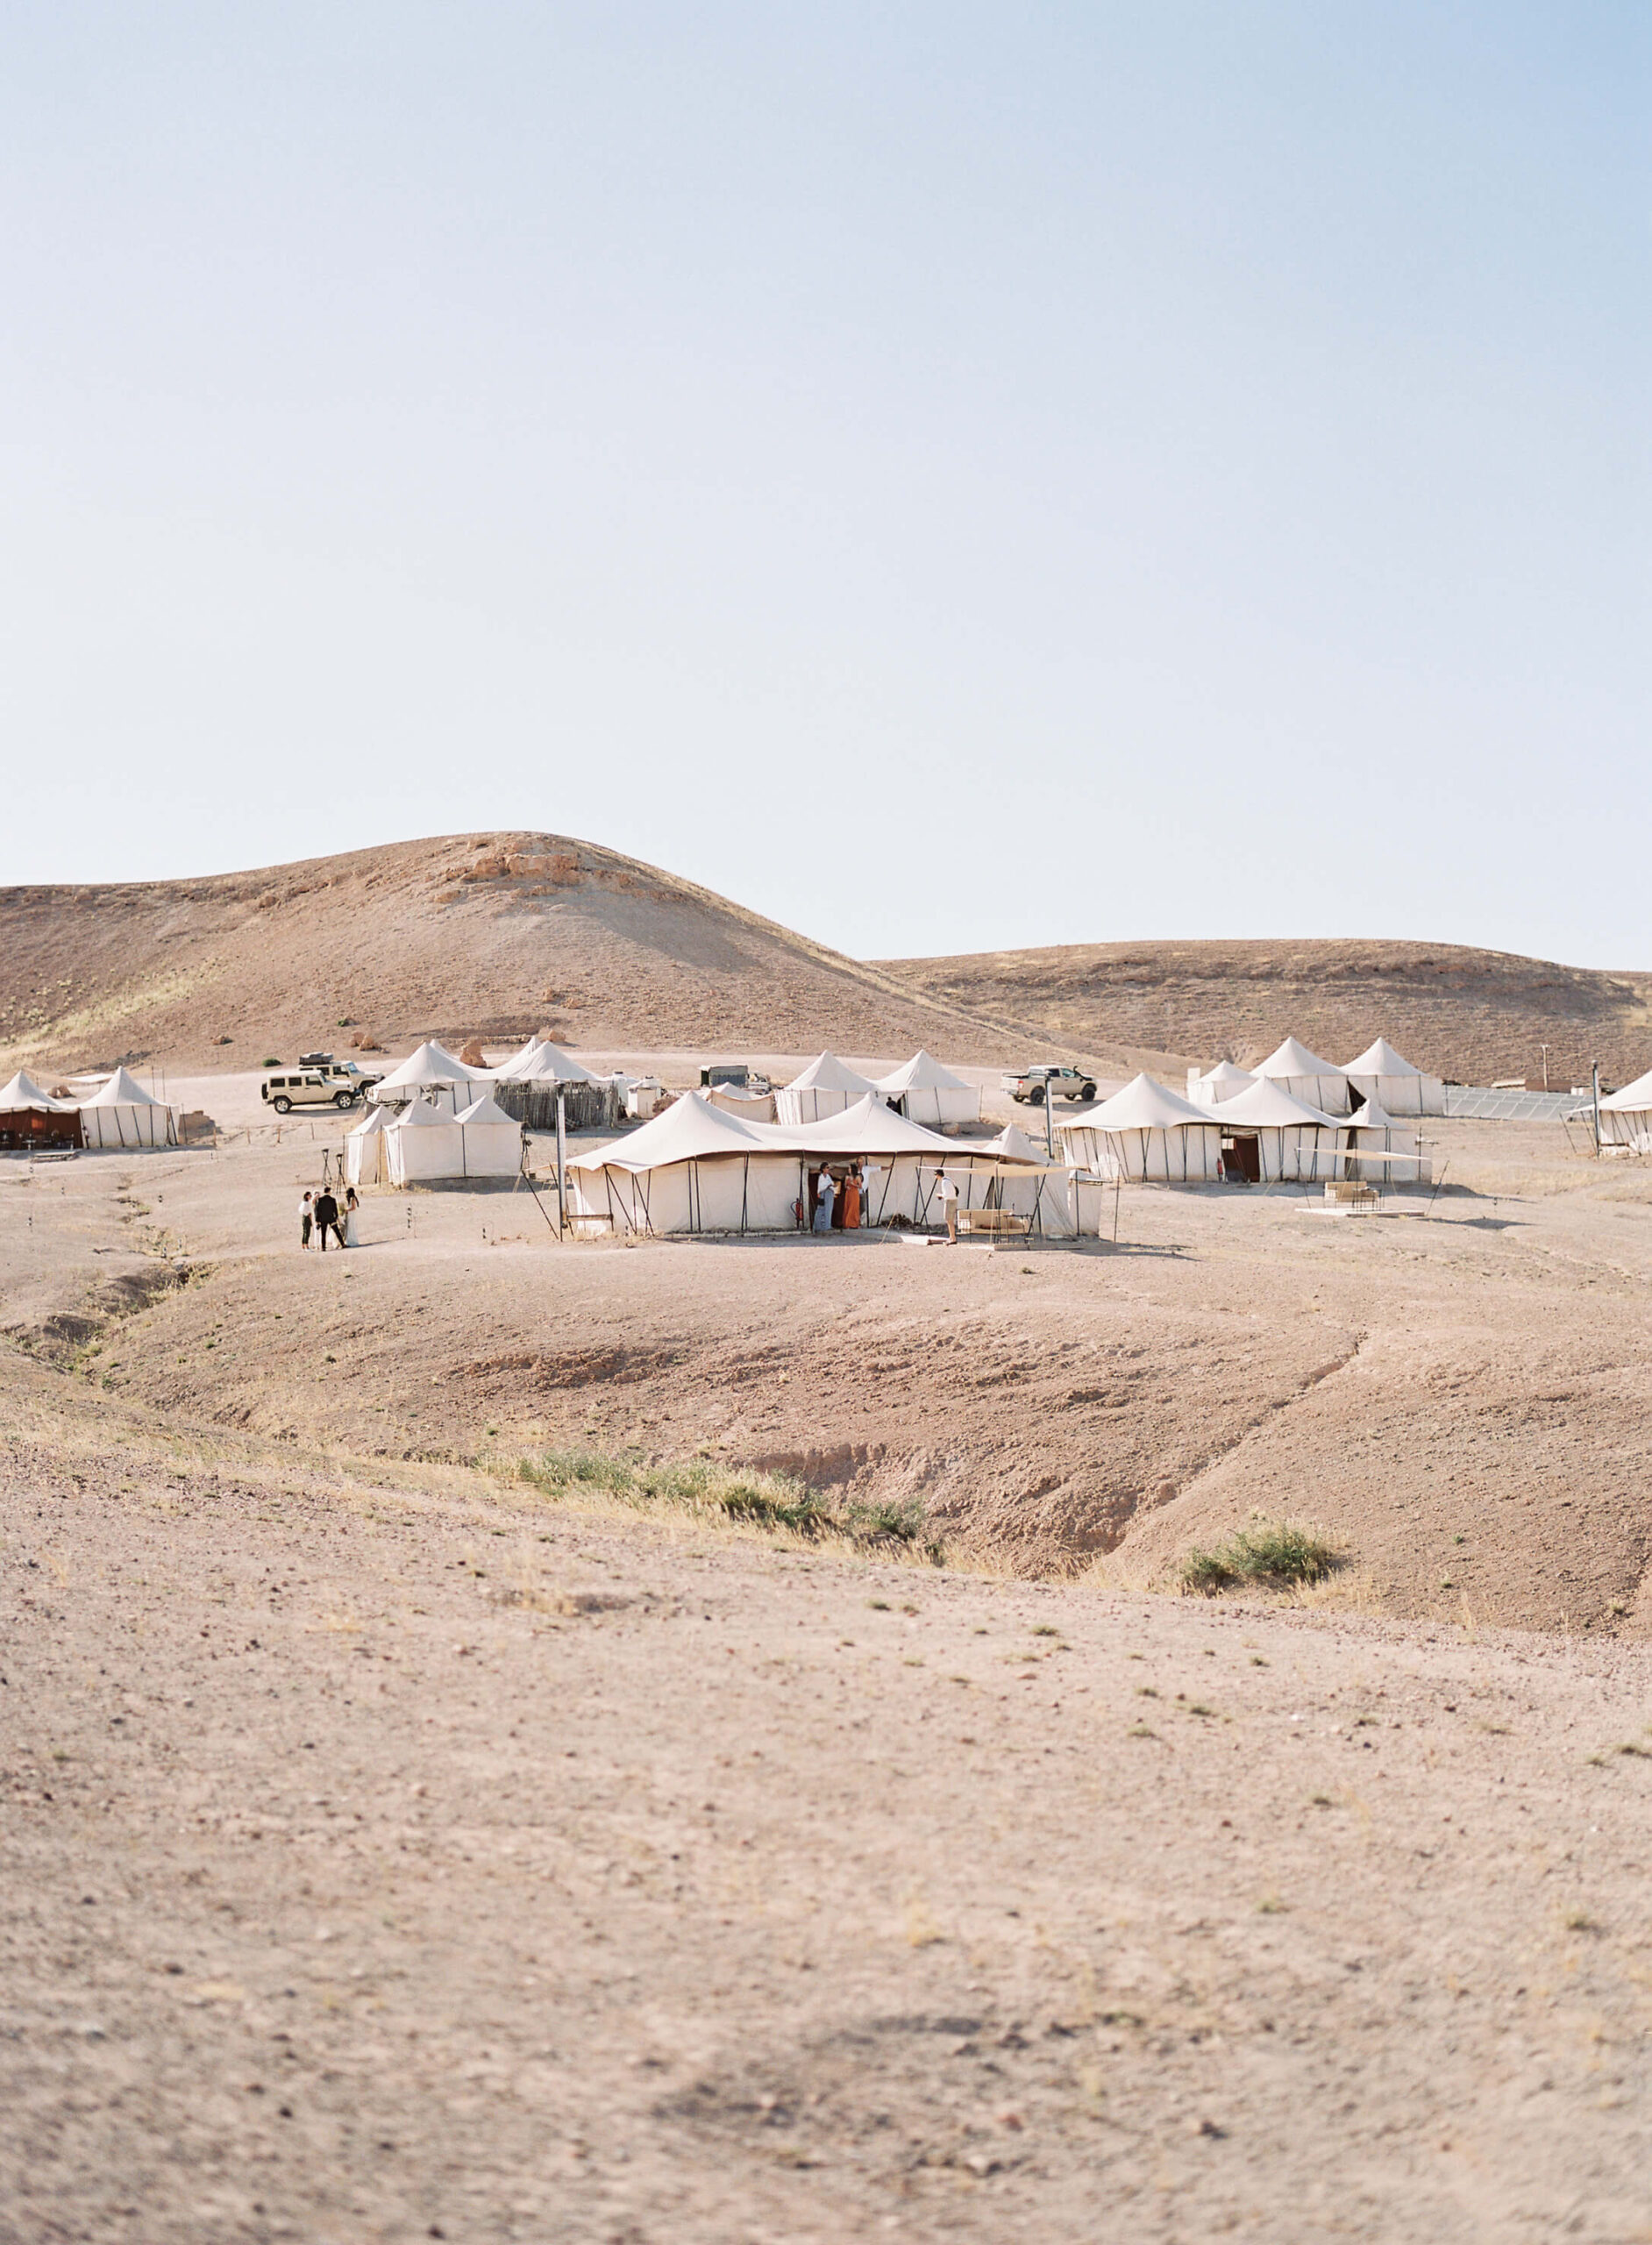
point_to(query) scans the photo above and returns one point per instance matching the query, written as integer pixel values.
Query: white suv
(329, 1087)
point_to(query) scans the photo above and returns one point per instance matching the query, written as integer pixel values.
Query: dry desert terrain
(398, 1846)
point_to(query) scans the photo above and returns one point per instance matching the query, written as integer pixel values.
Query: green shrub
(1277, 1554)
(774, 1501)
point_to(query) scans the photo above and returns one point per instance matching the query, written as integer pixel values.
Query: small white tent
(1267, 1135)
(364, 1148)
(1381, 1074)
(541, 1062)
(925, 1092)
(1145, 1134)
(489, 1140)
(826, 1087)
(1011, 1172)
(1390, 1152)
(432, 1073)
(23, 1091)
(423, 1145)
(1626, 1116)
(694, 1168)
(1315, 1082)
(123, 1113)
(1223, 1081)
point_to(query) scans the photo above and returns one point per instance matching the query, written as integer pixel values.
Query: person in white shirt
(306, 1218)
(827, 1192)
(949, 1203)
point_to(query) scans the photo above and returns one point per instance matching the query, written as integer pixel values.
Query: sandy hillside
(1474, 1016)
(493, 935)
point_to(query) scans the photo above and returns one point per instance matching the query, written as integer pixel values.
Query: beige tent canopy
(23, 1091)
(1626, 1116)
(123, 1113)
(539, 1061)
(1223, 1081)
(1380, 1150)
(432, 1073)
(1381, 1074)
(1268, 1135)
(925, 1092)
(366, 1162)
(426, 1145)
(1146, 1135)
(827, 1085)
(697, 1169)
(1315, 1082)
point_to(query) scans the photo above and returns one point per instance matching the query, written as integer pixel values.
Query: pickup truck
(1033, 1085)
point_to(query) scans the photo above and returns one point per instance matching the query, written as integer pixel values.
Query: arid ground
(394, 1846)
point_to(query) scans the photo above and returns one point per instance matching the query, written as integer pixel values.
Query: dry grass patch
(1265, 1554)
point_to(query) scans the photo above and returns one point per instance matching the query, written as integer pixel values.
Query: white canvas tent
(1382, 1152)
(432, 1073)
(1381, 1074)
(697, 1169)
(900, 1161)
(925, 1092)
(489, 1140)
(539, 1061)
(23, 1091)
(123, 1113)
(1315, 1082)
(421, 1146)
(826, 1087)
(1145, 1135)
(366, 1162)
(694, 1168)
(1268, 1135)
(1223, 1081)
(1626, 1116)
(1011, 1172)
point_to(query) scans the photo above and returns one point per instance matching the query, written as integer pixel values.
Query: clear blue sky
(950, 476)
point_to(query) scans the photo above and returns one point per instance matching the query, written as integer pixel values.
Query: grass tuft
(1276, 1554)
(777, 1502)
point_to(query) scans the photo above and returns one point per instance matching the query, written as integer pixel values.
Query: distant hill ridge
(1474, 1015)
(499, 934)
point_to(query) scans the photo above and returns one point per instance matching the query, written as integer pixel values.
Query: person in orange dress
(851, 1200)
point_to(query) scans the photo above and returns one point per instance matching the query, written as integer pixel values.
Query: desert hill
(1474, 1015)
(498, 935)
(493, 935)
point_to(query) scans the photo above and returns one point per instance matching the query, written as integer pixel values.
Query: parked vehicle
(318, 1080)
(733, 1075)
(1033, 1086)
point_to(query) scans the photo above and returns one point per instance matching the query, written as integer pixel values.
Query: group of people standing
(836, 1204)
(320, 1213)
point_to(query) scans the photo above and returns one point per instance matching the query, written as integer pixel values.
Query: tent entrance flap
(1241, 1156)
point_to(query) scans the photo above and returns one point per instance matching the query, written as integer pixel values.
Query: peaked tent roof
(423, 1114)
(1294, 1059)
(922, 1072)
(1142, 1105)
(540, 1062)
(1225, 1073)
(123, 1090)
(375, 1119)
(486, 1109)
(1014, 1143)
(828, 1072)
(23, 1091)
(432, 1064)
(687, 1130)
(1633, 1099)
(1379, 1060)
(1373, 1117)
(1267, 1106)
(868, 1127)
